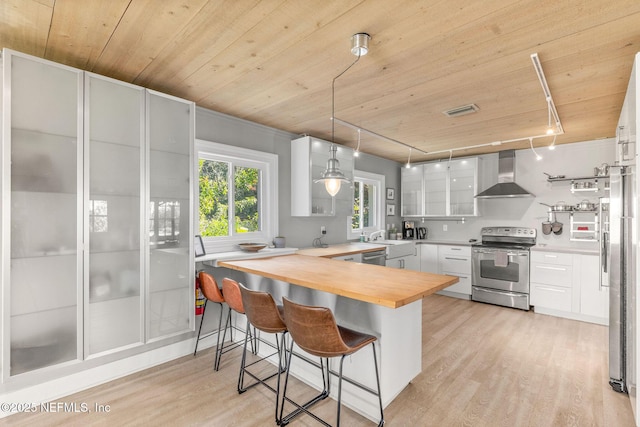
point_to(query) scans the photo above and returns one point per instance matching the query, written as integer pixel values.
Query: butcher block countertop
(389, 287)
(341, 250)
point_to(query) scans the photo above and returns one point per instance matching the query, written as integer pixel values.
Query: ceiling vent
(461, 111)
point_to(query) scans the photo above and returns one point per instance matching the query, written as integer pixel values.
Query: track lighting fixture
(359, 43)
(538, 156)
(408, 165)
(550, 130)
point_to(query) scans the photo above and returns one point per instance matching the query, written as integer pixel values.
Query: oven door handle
(489, 252)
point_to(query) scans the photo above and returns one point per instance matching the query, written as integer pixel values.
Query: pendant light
(332, 175)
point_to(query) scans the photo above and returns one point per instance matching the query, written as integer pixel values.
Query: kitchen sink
(396, 248)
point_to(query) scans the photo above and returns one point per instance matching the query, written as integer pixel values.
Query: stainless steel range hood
(506, 186)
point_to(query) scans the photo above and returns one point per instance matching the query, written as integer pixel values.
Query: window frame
(268, 194)
(378, 181)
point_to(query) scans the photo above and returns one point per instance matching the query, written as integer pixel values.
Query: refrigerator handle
(604, 245)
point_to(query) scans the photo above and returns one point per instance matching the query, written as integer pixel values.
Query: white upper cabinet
(440, 189)
(308, 160)
(463, 186)
(42, 231)
(412, 191)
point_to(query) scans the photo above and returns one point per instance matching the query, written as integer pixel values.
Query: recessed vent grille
(461, 111)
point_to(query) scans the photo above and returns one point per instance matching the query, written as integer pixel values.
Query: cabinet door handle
(542, 267)
(348, 259)
(544, 288)
(455, 249)
(456, 259)
(551, 256)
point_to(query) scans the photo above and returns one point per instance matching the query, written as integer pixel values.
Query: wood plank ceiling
(273, 61)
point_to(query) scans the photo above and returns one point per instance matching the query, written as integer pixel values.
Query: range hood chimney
(506, 186)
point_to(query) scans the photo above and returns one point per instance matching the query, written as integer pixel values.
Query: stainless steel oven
(500, 266)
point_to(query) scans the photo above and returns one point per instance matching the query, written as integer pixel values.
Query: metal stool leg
(204, 310)
(375, 363)
(304, 408)
(220, 345)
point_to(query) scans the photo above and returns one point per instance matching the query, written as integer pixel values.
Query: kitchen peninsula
(383, 301)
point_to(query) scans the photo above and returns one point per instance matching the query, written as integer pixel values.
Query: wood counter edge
(342, 252)
(342, 292)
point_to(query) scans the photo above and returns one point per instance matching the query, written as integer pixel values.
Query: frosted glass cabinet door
(42, 214)
(322, 203)
(435, 189)
(114, 123)
(412, 191)
(170, 136)
(463, 187)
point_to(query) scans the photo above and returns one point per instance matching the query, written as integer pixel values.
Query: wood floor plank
(483, 365)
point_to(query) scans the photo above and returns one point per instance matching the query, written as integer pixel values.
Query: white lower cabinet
(594, 299)
(410, 262)
(456, 261)
(429, 258)
(567, 285)
(453, 260)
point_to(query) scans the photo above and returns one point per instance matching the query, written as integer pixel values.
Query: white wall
(571, 160)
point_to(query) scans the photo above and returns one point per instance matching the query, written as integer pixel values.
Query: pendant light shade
(332, 176)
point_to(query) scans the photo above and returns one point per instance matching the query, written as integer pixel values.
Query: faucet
(380, 232)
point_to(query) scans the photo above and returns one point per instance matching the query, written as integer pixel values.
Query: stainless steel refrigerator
(618, 272)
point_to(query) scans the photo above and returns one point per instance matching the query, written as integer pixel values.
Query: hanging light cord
(538, 156)
(333, 98)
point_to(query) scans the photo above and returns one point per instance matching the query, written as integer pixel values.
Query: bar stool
(212, 292)
(315, 331)
(263, 314)
(233, 298)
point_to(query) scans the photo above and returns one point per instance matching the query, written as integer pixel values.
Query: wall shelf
(580, 178)
(584, 231)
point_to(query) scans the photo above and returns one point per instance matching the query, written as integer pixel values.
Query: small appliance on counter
(422, 233)
(408, 230)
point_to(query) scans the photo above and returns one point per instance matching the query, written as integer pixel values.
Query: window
(236, 195)
(367, 204)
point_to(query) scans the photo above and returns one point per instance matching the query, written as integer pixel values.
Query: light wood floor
(482, 366)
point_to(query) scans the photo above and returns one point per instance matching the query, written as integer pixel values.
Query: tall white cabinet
(42, 182)
(96, 216)
(170, 127)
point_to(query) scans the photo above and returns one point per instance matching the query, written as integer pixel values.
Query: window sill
(214, 258)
